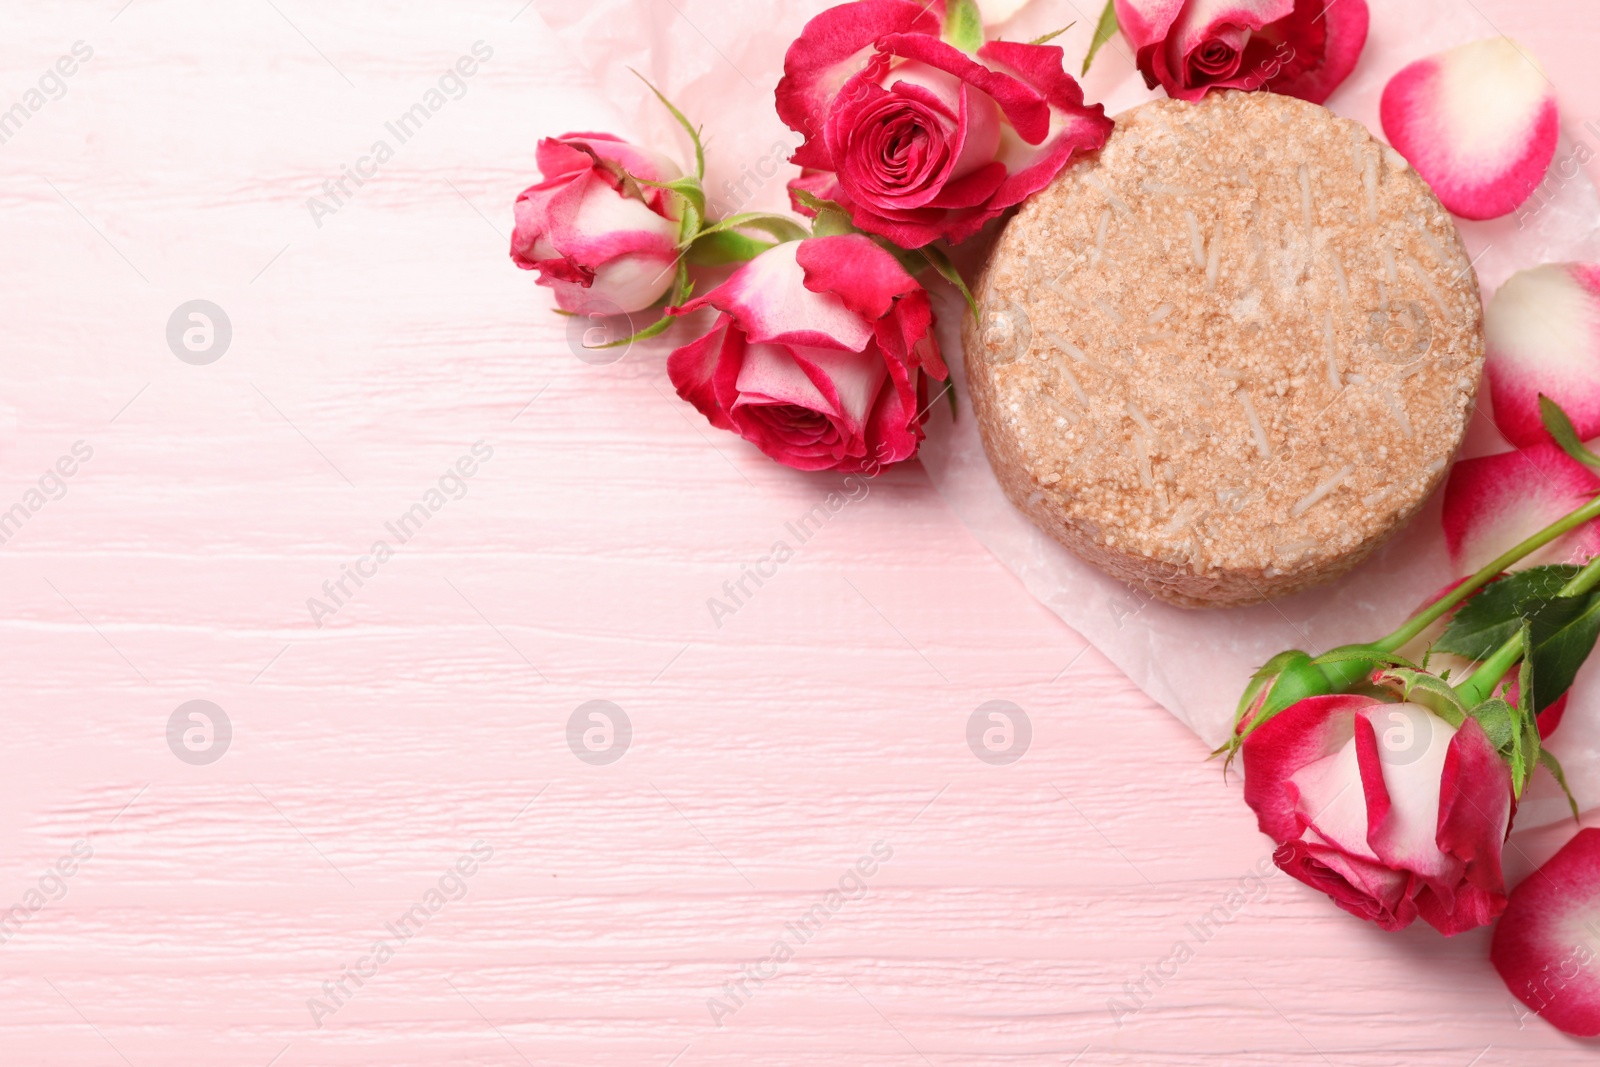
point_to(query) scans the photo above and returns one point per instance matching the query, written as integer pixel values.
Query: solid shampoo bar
(1231, 353)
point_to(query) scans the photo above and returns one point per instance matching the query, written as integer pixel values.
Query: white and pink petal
(1543, 335)
(1494, 502)
(1479, 122)
(1547, 946)
(769, 300)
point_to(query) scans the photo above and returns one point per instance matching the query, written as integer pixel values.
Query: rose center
(1215, 58)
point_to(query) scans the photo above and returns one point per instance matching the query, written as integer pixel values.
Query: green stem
(1476, 689)
(1448, 603)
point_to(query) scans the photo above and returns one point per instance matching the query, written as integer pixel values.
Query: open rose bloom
(915, 138)
(1302, 48)
(603, 249)
(818, 356)
(1386, 808)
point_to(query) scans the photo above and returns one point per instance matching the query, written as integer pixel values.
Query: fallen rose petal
(1543, 334)
(1494, 502)
(1544, 947)
(1479, 123)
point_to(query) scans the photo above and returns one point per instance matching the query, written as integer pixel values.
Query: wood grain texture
(369, 754)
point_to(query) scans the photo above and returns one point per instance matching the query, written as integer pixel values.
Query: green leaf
(1560, 427)
(1047, 38)
(1103, 32)
(1499, 721)
(718, 249)
(963, 24)
(1493, 616)
(947, 270)
(694, 134)
(1561, 634)
(1548, 761)
(780, 226)
(1432, 692)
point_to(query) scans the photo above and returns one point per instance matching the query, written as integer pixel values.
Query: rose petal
(1479, 123)
(1340, 795)
(1411, 745)
(1494, 502)
(1365, 889)
(1475, 810)
(693, 370)
(770, 301)
(1344, 25)
(1024, 108)
(1545, 945)
(1074, 126)
(831, 48)
(1543, 334)
(1145, 22)
(855, 269)
(1311, 730)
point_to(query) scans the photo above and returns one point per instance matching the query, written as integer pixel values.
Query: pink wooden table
(396, 771)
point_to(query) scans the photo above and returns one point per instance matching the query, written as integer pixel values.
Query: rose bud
(918, 140)
(818, 355)
(1387, 808)
(1479, 122)
(1302, 48)
(605, 244)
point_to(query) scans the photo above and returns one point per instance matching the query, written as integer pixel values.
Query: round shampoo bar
(1229, 355)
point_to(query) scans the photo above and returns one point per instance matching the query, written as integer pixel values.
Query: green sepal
(947, 270)
(1431, 691)
(1283, 681)
(831, 219)
(963, 25)
(782, 227)
(1548, 761)
(1349, 665)
(720, 248)
(1052, 35)
(1499, 722)
(694, 134)
(1560, 427)
(1103, 32)
(1525, 751)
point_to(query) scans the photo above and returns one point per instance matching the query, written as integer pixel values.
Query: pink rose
(1302, 48)
(917, 139)
(604, 246)
(1386, 808)
(817, 358)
